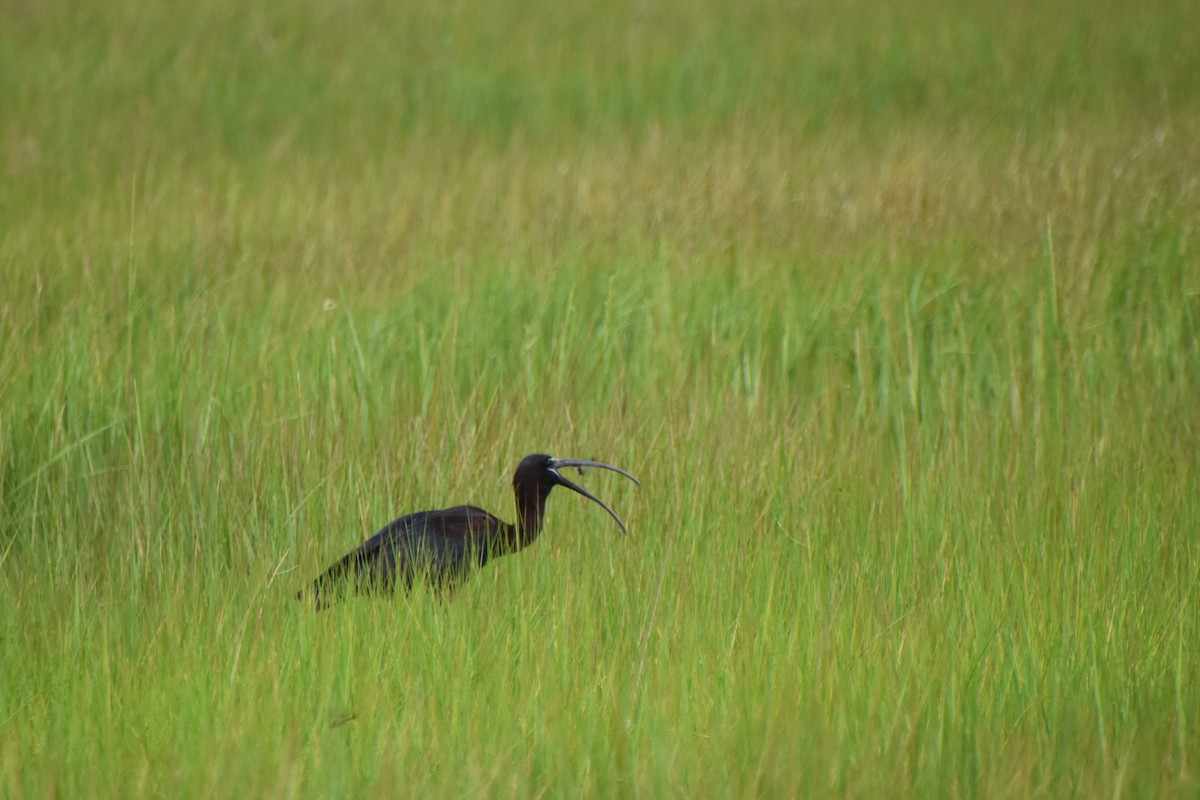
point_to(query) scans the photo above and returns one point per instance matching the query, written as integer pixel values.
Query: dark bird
(441, 546)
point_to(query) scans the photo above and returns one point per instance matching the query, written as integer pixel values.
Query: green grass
(894, 311)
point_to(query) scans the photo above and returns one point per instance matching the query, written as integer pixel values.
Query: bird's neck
(531, 507)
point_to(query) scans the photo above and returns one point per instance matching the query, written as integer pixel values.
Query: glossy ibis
(441, 546)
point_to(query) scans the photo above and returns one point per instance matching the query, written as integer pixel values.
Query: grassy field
(894, 309)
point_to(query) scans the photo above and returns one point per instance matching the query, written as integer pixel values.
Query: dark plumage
(442, 546)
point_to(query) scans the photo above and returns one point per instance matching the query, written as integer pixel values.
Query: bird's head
(541, 473)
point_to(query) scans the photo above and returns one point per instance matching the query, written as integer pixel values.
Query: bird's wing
(439, 543)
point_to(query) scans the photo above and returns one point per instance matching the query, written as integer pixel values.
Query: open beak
(557, 463)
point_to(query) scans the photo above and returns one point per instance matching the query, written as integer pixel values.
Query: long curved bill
(556, 463)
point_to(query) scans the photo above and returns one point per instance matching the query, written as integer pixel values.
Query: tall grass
(893, 311)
